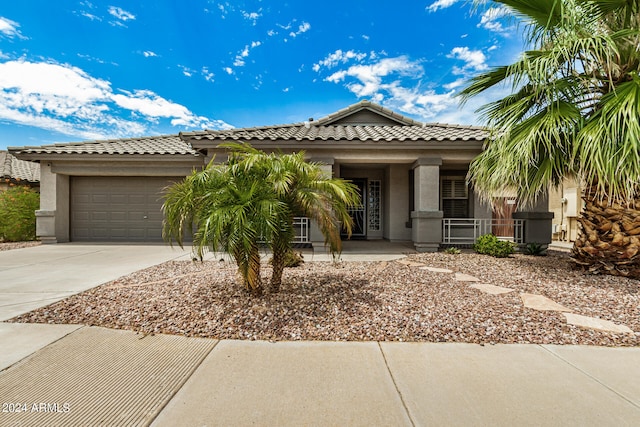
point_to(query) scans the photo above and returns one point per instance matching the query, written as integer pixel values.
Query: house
(411, 176)
(18, 172)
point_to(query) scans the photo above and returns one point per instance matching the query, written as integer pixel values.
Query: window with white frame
(454, 196)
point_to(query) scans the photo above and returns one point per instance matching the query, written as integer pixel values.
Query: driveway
(38, 276)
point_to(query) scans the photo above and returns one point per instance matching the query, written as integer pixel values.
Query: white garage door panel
(126, 209)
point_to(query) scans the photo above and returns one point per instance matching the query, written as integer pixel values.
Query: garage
(117, 209)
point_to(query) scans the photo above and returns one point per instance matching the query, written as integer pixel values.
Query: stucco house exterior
(411, 176)
(18, 172)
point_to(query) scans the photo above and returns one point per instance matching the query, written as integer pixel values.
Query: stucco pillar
(52, 219)
(537, 221)
(317, 239)
(426, 228)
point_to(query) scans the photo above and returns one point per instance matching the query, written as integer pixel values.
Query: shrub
(18, 214)
(535, 249)
(291, 259)
(452, 250)
(489, 244)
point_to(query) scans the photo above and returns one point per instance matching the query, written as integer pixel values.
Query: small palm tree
(254, 197)
(574, 112)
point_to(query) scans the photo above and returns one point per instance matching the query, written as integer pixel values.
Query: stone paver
(461, 277)
(491, 289)
(541, 303)
(595, 323)
(436, 269)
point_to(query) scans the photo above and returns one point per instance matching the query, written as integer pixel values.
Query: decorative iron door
(359, 213)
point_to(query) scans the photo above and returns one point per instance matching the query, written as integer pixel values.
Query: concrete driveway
(37, 276)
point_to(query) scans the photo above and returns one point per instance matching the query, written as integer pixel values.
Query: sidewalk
(97, 376)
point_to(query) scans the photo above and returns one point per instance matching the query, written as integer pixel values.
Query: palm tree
(305, 190)
(574, 111)
(254, 197)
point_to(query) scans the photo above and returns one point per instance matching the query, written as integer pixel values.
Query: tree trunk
(249, 268)
(609, 238)
(278, 262)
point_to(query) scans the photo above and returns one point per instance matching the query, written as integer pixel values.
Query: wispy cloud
(252, 16)
(63, 98)
(121, 14)
(239, 60)
(491, 20)
(337, 57)
(9, 28)
(302, 28)
(441, 4)
(149, 54)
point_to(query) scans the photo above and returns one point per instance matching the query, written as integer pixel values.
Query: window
(455, 197)
(374, 205)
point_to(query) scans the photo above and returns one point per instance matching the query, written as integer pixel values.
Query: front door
(359, 213)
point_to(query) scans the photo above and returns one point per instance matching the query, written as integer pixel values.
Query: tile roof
(18, 170)
(312, 132)
(163, 144)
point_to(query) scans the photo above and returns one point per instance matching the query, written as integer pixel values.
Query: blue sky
(80, 70)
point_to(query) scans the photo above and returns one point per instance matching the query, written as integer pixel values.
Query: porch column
(52, 219)
(317, 239)
(537, 221)
(426, 228)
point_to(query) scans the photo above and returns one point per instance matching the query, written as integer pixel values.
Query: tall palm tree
(574, 111)
(253, 198)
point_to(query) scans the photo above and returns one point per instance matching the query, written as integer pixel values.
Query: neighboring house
(411, 176)
(565, 203)
(18, 172)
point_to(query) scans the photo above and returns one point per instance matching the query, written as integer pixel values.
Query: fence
(467, 230)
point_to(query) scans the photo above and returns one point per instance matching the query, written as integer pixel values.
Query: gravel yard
(7, 246)
(362, 301)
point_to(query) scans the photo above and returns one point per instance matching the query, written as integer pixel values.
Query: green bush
(535, 249)
(18, 214)
(452, 250)
(489, 244)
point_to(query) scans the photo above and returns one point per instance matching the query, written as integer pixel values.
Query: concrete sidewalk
(98, 376)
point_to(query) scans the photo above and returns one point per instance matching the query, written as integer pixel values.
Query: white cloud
(474, 60)
(9, 28)
(208, 75)
(228, 70)
(148, 54)
(490, 19)
(252, 16)
(441, 4)
(337, 57)
(121, 14)
(302, 28)
(63, 98)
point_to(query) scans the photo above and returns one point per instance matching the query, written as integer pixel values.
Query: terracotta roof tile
(311, 132)
(19, 170)
(163, 144)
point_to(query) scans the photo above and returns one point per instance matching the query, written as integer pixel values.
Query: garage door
(118, 209)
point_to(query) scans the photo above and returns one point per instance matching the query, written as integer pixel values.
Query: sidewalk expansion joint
(187, 378)
(404, 404)
(625, 398)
